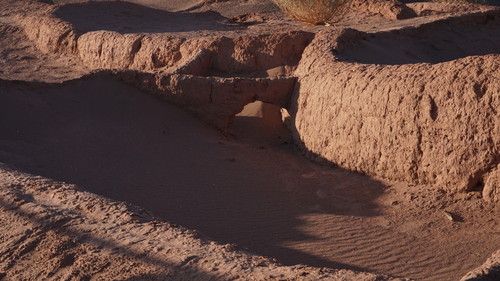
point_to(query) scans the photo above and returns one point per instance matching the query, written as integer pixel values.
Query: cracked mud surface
(249, 187)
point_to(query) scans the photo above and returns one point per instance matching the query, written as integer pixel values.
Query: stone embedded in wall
(491, 190)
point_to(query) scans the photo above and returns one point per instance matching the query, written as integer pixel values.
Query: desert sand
(219, 140)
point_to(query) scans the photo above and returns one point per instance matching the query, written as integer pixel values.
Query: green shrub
(313, 11)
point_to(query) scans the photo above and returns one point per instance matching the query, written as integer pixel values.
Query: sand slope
(121, 143)
(61, 233)
(115, 141)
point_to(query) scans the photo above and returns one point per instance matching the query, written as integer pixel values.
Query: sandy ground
(255, 192)
(248, 187)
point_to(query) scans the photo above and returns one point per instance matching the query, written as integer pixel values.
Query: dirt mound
(171, 5)
(176, 40)
(20, 57)
(215, 100)
(434, 8)
(390, 9)
(436, 42)
(125, 17)
(180, 57)
(418, 123)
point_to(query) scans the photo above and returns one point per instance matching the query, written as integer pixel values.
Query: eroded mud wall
(420, 123)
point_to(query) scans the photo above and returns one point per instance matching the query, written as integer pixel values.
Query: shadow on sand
(125, 17)
(65, 235)
(116, 141)
(438, 42)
